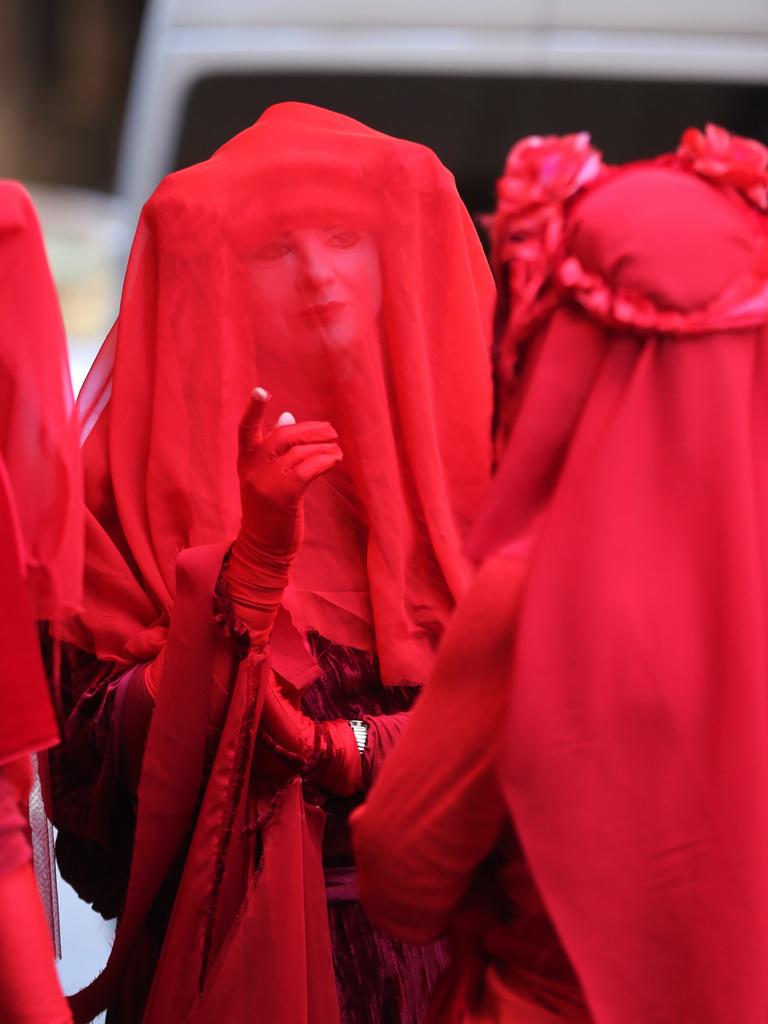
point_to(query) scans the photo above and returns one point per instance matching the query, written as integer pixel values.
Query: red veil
(336, 267)
(206, 315)
(635, 477)
(41, 540)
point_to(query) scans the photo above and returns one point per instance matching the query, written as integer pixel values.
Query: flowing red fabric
(27, 722)
(41, 541)
(41, 518)
(39, 436)
(249, 925)
(336, 267)
(635, 761)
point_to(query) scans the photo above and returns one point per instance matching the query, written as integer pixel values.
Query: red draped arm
(436, 810)
(29, 988)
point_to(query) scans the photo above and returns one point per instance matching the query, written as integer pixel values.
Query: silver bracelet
(360, 729)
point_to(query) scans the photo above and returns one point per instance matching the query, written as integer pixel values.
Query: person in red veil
(41, 547)
(593, 826)
(226, 709)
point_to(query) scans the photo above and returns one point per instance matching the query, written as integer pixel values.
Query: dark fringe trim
(224, 612)
(350, 684)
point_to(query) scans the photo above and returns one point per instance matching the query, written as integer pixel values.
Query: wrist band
(360, 729)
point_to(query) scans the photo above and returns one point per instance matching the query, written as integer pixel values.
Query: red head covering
(41, 540)
(336, 267)
(634, 480)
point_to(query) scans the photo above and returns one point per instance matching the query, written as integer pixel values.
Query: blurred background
(99, 100)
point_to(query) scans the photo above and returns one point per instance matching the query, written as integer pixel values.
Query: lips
(323, 311)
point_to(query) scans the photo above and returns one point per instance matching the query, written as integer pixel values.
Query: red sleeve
(383, 733)
(15, 848)
(29, 988)
(436, 810)
(95, 771)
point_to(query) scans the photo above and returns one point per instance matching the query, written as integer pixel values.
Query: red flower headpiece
(542, 170)
(729, 160)
(541, 174)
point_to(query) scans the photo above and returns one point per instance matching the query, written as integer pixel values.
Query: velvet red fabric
(337, 268)
(634, 758)
(40, 487)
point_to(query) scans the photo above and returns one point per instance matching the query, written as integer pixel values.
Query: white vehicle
(464, 76)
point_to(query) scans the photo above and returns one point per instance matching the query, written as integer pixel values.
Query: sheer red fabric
(41, 540)
(633, 480)
(41, 548)
(27, 722)
(335, 267)
(39, 437)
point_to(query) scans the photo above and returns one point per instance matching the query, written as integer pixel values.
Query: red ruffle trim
(743, 304)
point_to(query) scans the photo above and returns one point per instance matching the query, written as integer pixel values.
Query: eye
(273, 250)
(343, 239)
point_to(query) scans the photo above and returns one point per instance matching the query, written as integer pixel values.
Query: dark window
(471, 121)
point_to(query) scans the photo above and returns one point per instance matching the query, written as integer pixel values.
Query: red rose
(728, 159)
(540, 170)
(540, 174)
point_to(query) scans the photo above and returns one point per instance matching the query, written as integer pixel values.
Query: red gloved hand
(324, 752)
(274, 472)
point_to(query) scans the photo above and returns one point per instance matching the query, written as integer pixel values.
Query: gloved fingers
(286, 724)
(301, 452)
(314, 466)
(250, 431)
(280, 439)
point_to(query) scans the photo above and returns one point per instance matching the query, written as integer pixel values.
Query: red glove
(274, 472)
(324, 752)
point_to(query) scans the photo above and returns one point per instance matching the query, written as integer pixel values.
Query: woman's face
(319, 284)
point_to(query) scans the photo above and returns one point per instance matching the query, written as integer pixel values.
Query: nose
(314, 268)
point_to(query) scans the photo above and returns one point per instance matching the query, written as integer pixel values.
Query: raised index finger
(250, 429)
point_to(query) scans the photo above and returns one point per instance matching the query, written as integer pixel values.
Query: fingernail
(286, 419)
(260, 393)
